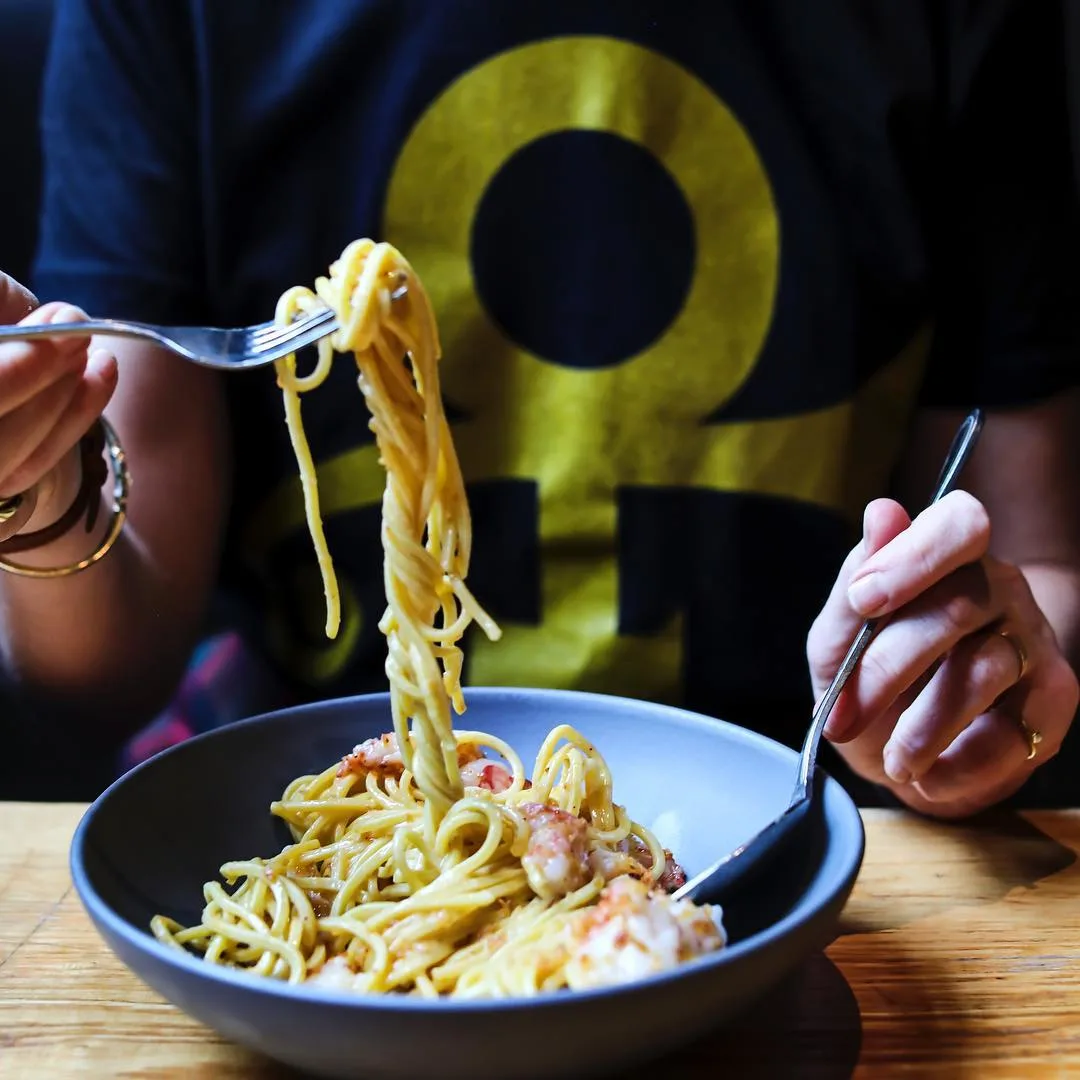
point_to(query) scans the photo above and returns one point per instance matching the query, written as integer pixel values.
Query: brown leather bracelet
(87, 500)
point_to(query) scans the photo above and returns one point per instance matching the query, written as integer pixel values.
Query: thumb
(16, 301)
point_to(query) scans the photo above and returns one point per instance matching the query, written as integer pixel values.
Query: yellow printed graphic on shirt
(637, 423)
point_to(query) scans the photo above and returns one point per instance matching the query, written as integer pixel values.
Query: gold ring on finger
(1018, 647)
(1031, 736)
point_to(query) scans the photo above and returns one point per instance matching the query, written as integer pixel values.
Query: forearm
(109, 642)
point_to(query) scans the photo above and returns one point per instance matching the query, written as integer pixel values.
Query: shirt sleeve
(121, 230)
(1004, 223)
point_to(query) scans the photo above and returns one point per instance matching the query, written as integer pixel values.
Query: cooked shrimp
(556, 860)
(489, 775)
(320, 903)
(632, 932)
(611, 864)
(633, 857)
(383, 757)
(335, 974)
(671, 877)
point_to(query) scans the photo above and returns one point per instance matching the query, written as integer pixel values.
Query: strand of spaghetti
(292, 386)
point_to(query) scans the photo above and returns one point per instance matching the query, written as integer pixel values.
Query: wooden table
(959, 956)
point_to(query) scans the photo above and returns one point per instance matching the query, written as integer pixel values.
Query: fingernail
(895, 769)
(105, 368)
(867, 595)
(866, 523)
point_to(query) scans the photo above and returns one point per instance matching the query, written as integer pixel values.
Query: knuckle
(1062, 684)
(1071, 695)
(913, 738)
(960, 610)
(973, 581)
(823, 635)
(818, 638)
(926, 565)
(821, 650)
(879, 676)
(1010, 579)
(925, 558)
(993, 667)
(1047, 752)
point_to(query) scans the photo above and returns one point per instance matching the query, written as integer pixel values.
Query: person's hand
(964, 672)
(51, 392)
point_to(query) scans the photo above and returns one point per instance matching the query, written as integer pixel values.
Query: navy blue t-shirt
(694, 265)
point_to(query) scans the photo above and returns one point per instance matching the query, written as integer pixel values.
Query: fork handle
(112, 327)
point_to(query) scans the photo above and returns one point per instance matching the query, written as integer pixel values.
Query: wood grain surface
(959, 956)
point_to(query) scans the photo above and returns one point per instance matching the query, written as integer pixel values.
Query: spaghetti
(421, 863)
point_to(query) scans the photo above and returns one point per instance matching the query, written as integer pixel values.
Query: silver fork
(236, 349)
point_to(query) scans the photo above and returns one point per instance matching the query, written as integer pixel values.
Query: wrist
(97, 451)
(54, 493)
(45, 502)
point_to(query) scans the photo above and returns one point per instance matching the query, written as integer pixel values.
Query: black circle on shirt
(583, 248)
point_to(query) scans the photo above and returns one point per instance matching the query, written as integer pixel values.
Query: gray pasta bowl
(151, 840)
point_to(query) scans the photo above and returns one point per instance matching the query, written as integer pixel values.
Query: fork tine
(300, 335)
(276, 336)
(272, 331)
(273, 335)
(263, 330)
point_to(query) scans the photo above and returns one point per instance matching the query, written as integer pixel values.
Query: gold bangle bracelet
(16, 511)
(121, 487)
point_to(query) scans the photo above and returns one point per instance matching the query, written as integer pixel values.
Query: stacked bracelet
(16, 511)
(100, 442)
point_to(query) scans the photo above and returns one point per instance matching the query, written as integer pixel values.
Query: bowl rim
(142, 940)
